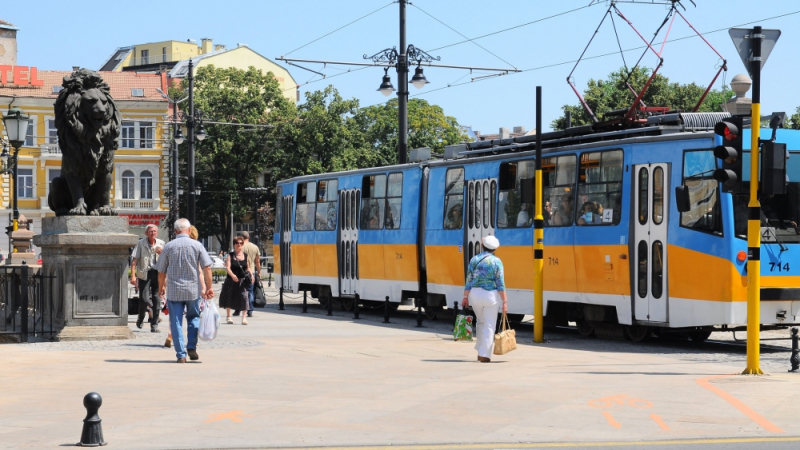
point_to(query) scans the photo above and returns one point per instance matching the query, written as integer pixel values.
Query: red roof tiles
(121, 84)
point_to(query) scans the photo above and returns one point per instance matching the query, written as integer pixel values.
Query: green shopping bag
(463, 328)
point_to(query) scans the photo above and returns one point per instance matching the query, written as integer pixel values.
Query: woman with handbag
(485, 289)
(234, 294)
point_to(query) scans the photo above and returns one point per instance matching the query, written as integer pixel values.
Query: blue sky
(58, 35)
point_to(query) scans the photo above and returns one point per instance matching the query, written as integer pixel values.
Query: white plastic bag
(209, 321)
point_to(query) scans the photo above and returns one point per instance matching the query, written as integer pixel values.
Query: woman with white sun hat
(484, 290)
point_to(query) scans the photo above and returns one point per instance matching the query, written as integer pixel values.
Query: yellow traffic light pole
(754, 220)
(538, 233)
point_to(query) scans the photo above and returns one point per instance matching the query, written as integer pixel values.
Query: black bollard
(386, 310)
(419, 314)
(330, 305)
(305, 302)
(455, 313)
(280, 301)
(92, 434)
(355, 307)
(795, 359)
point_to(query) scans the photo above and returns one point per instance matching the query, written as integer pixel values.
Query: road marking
(234, 416)
(561, 444)
(621, 399)
(611, 420)
(657, 419)
(744, 409)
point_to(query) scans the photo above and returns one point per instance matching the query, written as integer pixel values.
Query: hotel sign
(20, 76)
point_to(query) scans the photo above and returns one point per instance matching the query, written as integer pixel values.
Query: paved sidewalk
(302, 380)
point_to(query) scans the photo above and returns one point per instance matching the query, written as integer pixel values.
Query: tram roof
(661, 128)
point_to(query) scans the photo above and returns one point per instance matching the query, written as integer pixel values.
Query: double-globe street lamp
(16, 126)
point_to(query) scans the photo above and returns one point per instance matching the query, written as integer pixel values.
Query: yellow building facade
(141, 164)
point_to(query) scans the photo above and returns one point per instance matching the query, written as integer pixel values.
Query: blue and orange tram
(618, 253)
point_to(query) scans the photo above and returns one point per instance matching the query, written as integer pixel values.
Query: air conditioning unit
(452, 151)
(420, 154)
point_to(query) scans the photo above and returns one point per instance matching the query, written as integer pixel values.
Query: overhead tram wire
(462, 35)
(605, 54)
(340, 28)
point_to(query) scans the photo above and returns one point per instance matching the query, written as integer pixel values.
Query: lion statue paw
(106, 210)
(79, 210)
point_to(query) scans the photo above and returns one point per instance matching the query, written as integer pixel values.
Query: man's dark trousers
(148, 296)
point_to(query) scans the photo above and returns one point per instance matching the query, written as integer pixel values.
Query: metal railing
(137, 204)
(27, 303)
(158, 59)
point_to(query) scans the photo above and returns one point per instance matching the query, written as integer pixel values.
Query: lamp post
(194, 118)
(177, 139)
(16, 125)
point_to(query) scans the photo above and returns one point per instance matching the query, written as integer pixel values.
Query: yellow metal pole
(538, 233)
(754, 220)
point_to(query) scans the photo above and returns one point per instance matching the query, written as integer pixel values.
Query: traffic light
(730, 152)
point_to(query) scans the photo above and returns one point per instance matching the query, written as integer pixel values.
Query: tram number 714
(773, 266)
(552, 261)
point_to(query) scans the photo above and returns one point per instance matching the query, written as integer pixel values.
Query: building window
(127, 135)
(128, 188)
(145, 57)
(25, 183)
(146, 185)
(30, 139)
(52, 132)
(146, 131)
(163, 54)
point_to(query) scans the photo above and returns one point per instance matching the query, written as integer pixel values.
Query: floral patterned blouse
(486, 272)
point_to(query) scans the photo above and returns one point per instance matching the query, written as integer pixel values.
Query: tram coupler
(330, 305)
(355, 307)
(795, 358)
(419, 314)
(305, 301)
(92, 432)
(386, 308)
(280, 300)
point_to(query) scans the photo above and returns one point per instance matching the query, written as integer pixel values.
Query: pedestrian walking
(144, 276)
(485, 289)
(234, 290)
(253, 261)
(194, 234)
(179, 279)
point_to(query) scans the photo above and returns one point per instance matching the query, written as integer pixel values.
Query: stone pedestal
(88, 256)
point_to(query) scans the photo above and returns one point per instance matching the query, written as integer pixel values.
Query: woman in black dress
(234, 293)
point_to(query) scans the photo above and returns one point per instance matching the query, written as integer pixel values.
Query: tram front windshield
(780, 214)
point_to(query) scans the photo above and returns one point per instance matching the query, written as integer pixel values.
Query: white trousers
(486, 305)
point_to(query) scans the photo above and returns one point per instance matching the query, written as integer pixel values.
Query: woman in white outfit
(485, 289)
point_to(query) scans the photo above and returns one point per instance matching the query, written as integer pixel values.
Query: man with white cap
(484, 289)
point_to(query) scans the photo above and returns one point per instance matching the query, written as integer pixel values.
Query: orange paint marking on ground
(611, 420)
(744, 409)
(234, 416)
(657, 419)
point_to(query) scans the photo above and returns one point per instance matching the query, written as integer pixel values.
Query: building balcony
(126, 204)
(158, 59)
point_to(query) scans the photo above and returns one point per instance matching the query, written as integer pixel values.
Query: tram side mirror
(682, 198)
(528, 190)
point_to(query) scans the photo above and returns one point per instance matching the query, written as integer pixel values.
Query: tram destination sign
(744, 44)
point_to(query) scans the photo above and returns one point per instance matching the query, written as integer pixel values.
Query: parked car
(217, 262)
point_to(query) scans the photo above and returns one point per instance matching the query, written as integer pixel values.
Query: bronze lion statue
(88, 125)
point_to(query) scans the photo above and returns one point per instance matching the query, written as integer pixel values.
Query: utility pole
(402, 93)
(190, 133)
(538, 233)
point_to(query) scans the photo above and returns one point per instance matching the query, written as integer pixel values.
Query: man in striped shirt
(178, 277)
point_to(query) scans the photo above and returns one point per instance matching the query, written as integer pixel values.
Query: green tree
(428, 126)
(793, 121)
(232, 157)
(612, 94)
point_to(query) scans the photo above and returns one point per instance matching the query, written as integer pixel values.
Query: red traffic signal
(730, 152)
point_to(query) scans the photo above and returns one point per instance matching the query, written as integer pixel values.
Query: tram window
(471, 205)
(326, 205)
(511, 211)
(394, 201)
(644, 185)
(658, 195)
(600, 188)
(558, 190)
(306, 206)
(373, 202)
(641, 277)
(657, 286)
(705, 213)
(454, 199)
(279, 211)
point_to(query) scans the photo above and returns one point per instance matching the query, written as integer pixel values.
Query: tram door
(287, 203)
(481, 195)
(349, 201)
(650, 244)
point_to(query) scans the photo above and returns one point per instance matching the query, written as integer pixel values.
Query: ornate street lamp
(16, 125)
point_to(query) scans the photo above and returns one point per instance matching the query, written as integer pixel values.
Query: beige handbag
(506, 340)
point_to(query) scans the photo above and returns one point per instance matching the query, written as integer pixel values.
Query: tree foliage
(793, 121)
(611, 94)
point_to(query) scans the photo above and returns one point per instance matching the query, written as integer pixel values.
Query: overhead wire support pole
(754, 218)
(538, 233)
